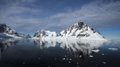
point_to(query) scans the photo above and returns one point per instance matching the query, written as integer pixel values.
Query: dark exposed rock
(80, 24)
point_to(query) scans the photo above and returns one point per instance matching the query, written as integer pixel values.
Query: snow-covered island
(76, 31)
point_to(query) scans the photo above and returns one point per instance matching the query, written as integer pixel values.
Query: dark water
(37, 53)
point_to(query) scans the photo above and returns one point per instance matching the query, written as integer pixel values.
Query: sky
(29, 16)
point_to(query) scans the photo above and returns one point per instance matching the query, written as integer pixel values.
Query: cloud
(11, 15)
(22, 17)
(96, 14)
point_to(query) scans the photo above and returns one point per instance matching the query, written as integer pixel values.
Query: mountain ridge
(78, 30)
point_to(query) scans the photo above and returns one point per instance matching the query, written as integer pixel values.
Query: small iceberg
(113, 49)
(96, 51)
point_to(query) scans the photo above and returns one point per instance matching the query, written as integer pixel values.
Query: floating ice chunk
(103, 54)
(104, 62)
(77, 62)
(70, 59)
(80, 56)
(63, 58)
(114, 49)
(96, 51)
(90, 55)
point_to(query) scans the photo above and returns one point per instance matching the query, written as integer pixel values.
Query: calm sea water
(37, 53)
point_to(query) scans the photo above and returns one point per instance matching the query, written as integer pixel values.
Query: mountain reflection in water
(76, 48)
(4, 44)
(58, 53)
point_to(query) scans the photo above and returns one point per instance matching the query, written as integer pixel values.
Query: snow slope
(4, 36)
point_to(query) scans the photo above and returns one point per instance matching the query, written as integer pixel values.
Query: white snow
(14, 36)
(51, 34)
(4, 36)
(84, 31)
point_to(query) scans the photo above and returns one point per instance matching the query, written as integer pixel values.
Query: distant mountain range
(76, 31)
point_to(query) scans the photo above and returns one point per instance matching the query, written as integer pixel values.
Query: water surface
(38, 53)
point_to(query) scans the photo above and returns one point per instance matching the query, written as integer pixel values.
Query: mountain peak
(2, 27)
(79, 24)
(2, 24)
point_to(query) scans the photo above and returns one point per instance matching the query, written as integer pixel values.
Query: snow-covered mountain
(7, 32)
(44, 33)
(76, 31)
(82, 31)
